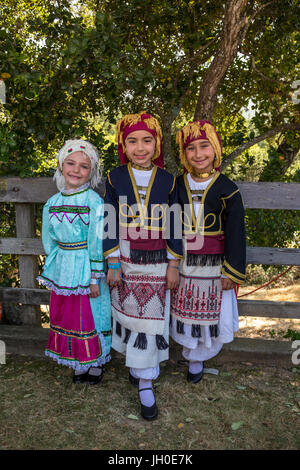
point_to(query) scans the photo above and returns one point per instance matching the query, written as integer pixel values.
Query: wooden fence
(25, 193)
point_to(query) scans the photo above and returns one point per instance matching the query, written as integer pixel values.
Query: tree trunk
(169, 158)
(231, 37)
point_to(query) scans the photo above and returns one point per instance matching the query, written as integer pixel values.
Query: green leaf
(236, 425)
(240, 387)
(132, 417)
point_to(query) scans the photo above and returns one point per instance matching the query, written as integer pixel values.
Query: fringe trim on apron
(141, 341)
(127, 335)
(148, 257)
(196, 329)
(204, 260)
(118, 329)
(161, 343)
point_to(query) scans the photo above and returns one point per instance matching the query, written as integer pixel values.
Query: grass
(246, 406)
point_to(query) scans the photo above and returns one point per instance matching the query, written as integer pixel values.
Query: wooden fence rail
(25, 193)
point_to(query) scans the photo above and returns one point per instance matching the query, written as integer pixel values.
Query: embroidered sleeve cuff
(176, 255)
(232, 273)
(115, 251)
(97, 268)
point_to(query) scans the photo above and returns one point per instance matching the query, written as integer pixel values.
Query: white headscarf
(78, 145)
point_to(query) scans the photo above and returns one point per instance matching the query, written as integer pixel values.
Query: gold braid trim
(132, 119)
(194, 129)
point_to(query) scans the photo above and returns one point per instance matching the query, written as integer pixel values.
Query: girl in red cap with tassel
(142, 259)
(204, 311)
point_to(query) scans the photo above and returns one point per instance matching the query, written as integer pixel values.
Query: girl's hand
(172, 276)
(95, 290)
(227, 283)
(113, 278)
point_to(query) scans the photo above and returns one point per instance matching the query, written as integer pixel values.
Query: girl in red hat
(204, 312)
(142, 258)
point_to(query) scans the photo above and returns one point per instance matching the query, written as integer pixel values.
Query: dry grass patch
(266, 328)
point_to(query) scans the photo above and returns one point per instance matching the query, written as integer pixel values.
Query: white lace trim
(79, 290)
(76, 365)
(61, 291)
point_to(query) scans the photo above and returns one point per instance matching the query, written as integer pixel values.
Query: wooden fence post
(28, 265)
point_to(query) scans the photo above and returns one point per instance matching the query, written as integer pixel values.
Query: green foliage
(272, 228)
(72, 63)
(292, 335)
(71, 68)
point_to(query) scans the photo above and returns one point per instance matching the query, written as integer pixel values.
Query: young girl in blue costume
(72, 232)
(204, 309)
(139, 191)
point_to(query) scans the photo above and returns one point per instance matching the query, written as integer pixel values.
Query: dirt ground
(246, 406)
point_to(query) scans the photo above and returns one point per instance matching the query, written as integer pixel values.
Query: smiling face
(76, 170)
(140, 148)
(200, 155)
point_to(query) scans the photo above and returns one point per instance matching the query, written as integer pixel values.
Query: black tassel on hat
(141, 341)
(161, 343)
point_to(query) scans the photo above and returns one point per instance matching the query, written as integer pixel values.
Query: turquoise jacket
(72, 234)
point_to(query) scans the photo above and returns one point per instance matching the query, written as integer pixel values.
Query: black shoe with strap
(149, 412)
(194, 378)
(96, 379)
(133, 380)
(81, 378)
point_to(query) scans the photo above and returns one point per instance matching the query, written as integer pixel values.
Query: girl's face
(76, 170)
(140, 148)
(200, 155)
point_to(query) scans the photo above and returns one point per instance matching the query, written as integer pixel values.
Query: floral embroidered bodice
(72, 234)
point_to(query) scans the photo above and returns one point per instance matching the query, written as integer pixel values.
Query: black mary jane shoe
(133, 380)
(194, 378)
(81, 378)
(95, 379)
(148, 412)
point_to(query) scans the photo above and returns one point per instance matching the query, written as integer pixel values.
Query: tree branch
(273, 80)
(191, 60)
(233, 24)
(235, 27)
(264, 136)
